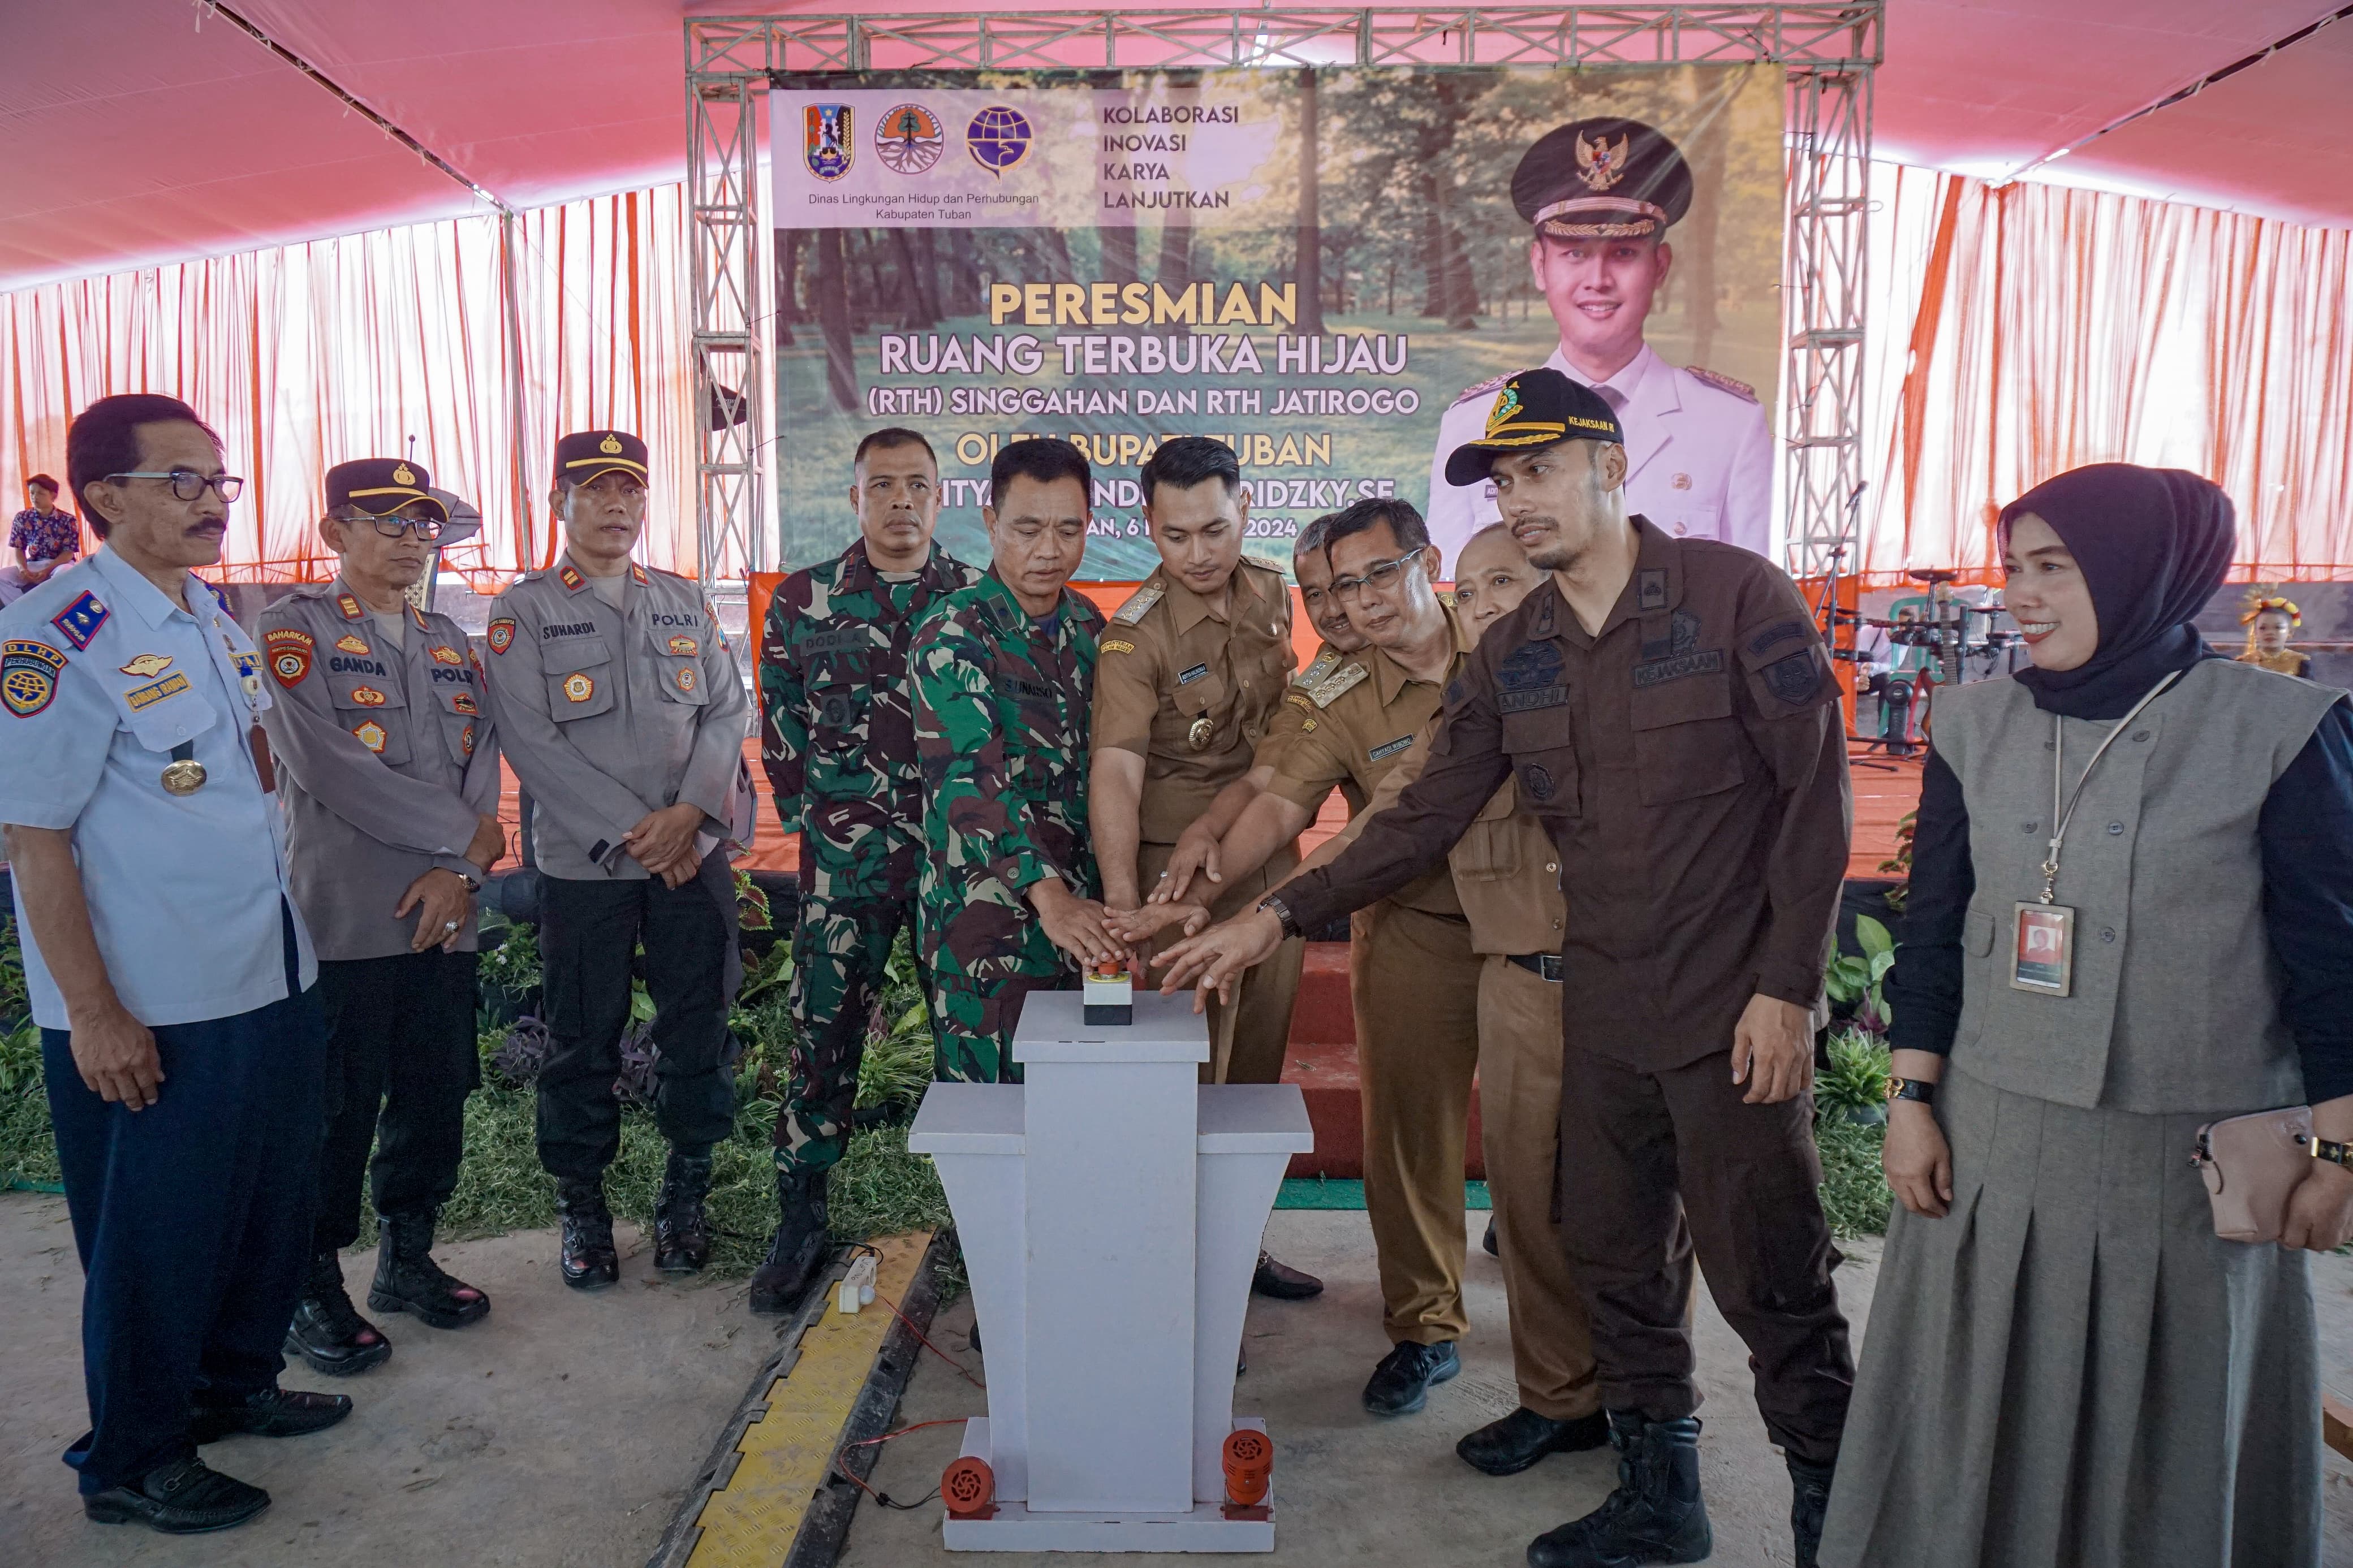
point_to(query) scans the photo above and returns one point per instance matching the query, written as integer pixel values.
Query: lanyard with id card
(2043, 945)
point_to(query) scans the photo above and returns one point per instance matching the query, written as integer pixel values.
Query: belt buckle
(1548, 965)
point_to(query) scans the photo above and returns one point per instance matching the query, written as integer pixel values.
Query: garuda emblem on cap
(402, 476)
(610, 446)
(1599, 164)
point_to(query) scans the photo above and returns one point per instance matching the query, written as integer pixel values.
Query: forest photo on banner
(1310, 266)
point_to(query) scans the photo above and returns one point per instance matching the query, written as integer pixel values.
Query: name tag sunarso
(2043, 949)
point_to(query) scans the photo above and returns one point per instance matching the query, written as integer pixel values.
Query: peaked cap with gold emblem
(1534, 408)
(583, 456)
(381, 486)
(1602, 179)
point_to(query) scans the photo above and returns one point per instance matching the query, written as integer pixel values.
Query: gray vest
(2174, 1005)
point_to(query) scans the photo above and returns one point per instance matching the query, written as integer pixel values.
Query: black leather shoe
(1282, 1282)
(1656, 1515)
(1488, 1241)
(273, 1413)
(1507, 1447)
(800, 1249)
(409, 1280)
(588, 1261)
(1402, 1381)
(186, 1497)
(681, 1228)
(328, 1331)
(1810, 1501)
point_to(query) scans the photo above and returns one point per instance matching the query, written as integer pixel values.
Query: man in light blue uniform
(169, 974)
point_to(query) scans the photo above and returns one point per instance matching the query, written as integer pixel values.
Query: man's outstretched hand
(1215, 959)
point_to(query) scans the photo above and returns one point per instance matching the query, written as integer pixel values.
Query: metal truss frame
(1830, 49)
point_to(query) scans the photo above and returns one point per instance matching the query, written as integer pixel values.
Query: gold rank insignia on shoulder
(1323, 664)
(147, 666)
(1139, 604)
(1116, 644)
(637, 574)
(1723, 383)
(447, 656)
(349, 605)
(570, 578)
(1198, 734)
(1326, 691)
(350, 643)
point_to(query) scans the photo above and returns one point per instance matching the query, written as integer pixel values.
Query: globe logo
(999, 138)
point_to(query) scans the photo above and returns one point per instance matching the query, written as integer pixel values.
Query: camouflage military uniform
(837, 738)
(1001, 706)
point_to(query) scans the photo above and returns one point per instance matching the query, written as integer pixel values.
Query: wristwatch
(1280, 911)
(2338, 1154)
(1917, 1089)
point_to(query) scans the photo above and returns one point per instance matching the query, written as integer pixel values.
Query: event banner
(1310, 266)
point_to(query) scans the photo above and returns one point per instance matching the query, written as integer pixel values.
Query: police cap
(1602, 179)
(582, 457)
(1534, 409)
(381, 486)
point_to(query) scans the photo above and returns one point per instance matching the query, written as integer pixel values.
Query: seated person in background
(2268, 622)
(41, 538)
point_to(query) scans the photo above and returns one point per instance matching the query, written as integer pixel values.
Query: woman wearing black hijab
(2064, 1364)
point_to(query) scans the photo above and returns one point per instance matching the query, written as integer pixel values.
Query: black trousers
(401, 1059)
(193, 1221)
(1643, 1152)
(589, 933)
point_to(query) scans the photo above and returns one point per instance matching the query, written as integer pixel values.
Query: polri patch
(1678, 668)
(154, 691)
(28, 675)
(290, 650)
(500, 634)
(78, 622)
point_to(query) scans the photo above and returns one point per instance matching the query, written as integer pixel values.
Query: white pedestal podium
(1110, 1210)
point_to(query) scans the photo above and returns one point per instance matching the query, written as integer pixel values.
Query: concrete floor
(564, 1429)
(560, 1431)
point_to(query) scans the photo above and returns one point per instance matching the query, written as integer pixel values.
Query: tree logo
(909, 139)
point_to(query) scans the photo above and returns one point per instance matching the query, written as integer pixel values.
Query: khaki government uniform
(1507, 874)
(390, 762)
(1174, 671)
(1415, 982)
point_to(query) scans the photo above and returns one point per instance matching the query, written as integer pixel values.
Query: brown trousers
(1416, 985)
(1519, 1122)
(1643, 1154)
(1248, 1040)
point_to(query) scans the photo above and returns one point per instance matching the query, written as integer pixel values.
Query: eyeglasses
(187, 484)
(1381, 578)
(428, 529)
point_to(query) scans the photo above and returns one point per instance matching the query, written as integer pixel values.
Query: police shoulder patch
(1139, 603)
(500, 634)
(1326, 691)
(288, 650)
(1493, 383)
(1723, 383)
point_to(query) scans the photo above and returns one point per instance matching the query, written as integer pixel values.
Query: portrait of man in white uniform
(1600, 195)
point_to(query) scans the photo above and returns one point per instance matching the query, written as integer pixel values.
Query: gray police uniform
(389, 763)
(607, 715)
(191, 1217)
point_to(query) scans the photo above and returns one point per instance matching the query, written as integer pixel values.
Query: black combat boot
(328, 1331)
(799, 1252)
(589, 1262)
(681, 1229)
(1809, 1487)
(1656, 1514)
(409, 1280)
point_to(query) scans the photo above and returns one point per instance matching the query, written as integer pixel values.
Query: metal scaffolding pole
(1830, 49)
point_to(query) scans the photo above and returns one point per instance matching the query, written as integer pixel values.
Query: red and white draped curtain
(481, 340)
(2021, 331)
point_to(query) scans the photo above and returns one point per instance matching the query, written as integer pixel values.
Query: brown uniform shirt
(1352, 727)
(1688, 762)
(1507, 870)
(1175, 672)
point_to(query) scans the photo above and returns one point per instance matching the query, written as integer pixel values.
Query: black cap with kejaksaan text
(582, 457)
(381, 486)
(1534, 409)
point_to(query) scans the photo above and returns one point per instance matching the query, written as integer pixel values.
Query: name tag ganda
(2043, 955)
